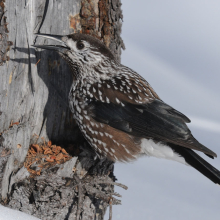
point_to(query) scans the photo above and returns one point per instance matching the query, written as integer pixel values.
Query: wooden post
(34, 87)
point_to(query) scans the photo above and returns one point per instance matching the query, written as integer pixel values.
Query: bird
(119, 113)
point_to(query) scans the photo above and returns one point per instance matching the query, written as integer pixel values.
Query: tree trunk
(34, 87)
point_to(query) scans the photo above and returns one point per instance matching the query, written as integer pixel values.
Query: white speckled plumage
(119, 113)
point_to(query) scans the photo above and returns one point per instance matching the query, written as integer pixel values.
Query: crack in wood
(44, 15)
(29, 66)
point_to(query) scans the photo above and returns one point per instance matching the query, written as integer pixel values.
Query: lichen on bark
(4, 43)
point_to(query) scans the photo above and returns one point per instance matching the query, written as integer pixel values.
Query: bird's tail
(198, 163)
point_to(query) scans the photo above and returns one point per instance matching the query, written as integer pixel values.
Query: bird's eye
(80, 45)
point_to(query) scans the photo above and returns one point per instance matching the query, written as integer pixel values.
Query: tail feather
(198, 163)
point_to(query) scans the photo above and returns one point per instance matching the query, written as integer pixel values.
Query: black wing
(155, 120)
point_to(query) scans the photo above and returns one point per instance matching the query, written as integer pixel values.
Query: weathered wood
(34, 87)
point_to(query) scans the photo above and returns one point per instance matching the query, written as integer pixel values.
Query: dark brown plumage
(119, 113)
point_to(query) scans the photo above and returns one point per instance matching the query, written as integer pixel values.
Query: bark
(34, 89)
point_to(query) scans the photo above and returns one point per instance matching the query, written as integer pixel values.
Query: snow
(10, 214)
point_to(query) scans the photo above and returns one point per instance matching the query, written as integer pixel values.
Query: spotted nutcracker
(119, 113)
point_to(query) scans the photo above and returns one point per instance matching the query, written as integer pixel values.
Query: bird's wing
(147, 117)
(121, 90)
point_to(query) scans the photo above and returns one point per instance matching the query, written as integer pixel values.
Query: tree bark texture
(34, 87)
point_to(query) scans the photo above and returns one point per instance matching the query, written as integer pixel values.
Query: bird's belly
(107, 141)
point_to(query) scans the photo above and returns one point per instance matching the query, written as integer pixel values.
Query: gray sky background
(175, 45)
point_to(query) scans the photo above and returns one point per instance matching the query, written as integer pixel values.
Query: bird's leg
(102, 167)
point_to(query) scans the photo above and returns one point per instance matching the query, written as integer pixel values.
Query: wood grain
(34, 87)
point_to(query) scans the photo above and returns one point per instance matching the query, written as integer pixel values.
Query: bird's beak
(60, 48)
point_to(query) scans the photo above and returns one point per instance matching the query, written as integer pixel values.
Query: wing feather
(153, 121)
(129, 104)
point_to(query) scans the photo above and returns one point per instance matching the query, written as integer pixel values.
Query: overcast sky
(175, 45)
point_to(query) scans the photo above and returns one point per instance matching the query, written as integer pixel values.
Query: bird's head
(84, 53)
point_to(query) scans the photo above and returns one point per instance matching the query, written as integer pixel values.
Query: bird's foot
(102, 167)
